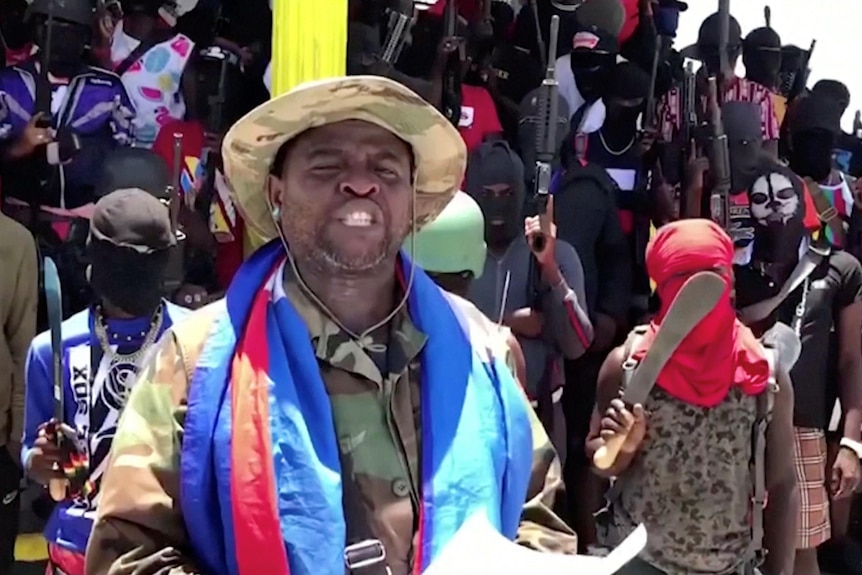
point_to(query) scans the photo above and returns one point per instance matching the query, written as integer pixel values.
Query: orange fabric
(719, 352)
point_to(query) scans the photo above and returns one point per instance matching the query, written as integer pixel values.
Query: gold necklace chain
(615, 152)
(135, 356)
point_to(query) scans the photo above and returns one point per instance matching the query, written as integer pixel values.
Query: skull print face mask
(777, 209)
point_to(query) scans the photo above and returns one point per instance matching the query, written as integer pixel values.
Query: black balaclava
(814, 125)
(594, 53)
(761, 55)
(627, 91)
(834, 89)
(110, 278)
(777, 211)
(68, 43)
(16, 33)
(591, 71)
(491, 166)
(142, 7)
(744, 142)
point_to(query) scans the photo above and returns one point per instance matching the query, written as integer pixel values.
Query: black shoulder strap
(759, 494)
(142, 48)
(364, 554)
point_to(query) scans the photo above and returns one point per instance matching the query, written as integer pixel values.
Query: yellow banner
(309, 42)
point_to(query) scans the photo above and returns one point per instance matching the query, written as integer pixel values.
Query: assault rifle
(546, 134)
(451, 103)
(719, 161)
(397, 35)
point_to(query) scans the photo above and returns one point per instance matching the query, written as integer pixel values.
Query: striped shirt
(670, 108)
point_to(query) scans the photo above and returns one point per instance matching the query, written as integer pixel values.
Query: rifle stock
(546, 134)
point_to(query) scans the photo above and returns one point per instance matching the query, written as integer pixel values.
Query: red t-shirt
(478, 116)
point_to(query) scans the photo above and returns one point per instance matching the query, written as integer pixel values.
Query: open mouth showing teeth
(357, 220)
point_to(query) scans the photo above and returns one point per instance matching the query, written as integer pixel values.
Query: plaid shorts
(809, 450)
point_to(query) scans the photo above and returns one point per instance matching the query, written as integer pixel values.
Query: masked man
(347, 327)
(155, 63)
(451, 250)
(102, 351)
(706, 404)
(826, 310)
(582, 75)
(52, 155)
(761, 56)
(813, 128)
(539, 295)
(848, 148)
(669, 111)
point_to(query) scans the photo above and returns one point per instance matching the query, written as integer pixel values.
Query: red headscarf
(719, 352)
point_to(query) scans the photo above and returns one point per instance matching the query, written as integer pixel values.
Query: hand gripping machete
(695, 300)
(54, 303)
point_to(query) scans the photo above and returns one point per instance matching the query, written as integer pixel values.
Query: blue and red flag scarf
(260, 455)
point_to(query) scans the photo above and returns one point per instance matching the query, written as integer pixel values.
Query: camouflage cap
(251, 144)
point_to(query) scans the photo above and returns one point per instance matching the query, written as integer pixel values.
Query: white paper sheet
(478, 548)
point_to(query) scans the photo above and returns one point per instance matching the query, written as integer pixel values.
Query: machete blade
(694, 301)
(54, 304)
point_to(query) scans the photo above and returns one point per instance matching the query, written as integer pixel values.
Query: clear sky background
(835, 24)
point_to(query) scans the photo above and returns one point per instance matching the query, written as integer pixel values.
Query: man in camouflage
(690, 468)
(344, 154)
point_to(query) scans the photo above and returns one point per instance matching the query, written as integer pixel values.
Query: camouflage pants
(639, 567)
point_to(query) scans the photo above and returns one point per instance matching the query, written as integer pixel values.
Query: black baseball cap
(132, 219)
(681, 6)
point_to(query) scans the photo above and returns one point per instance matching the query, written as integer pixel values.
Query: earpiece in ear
(276, 213)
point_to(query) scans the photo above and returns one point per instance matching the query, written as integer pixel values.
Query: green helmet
(454, 242)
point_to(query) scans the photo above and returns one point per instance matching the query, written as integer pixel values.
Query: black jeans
(10, 508)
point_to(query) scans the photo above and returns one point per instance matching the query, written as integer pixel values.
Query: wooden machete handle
(606, 455)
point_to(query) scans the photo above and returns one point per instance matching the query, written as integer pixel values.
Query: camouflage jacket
(373, 386)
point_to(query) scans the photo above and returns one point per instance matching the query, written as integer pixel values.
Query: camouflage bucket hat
(251, 144)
